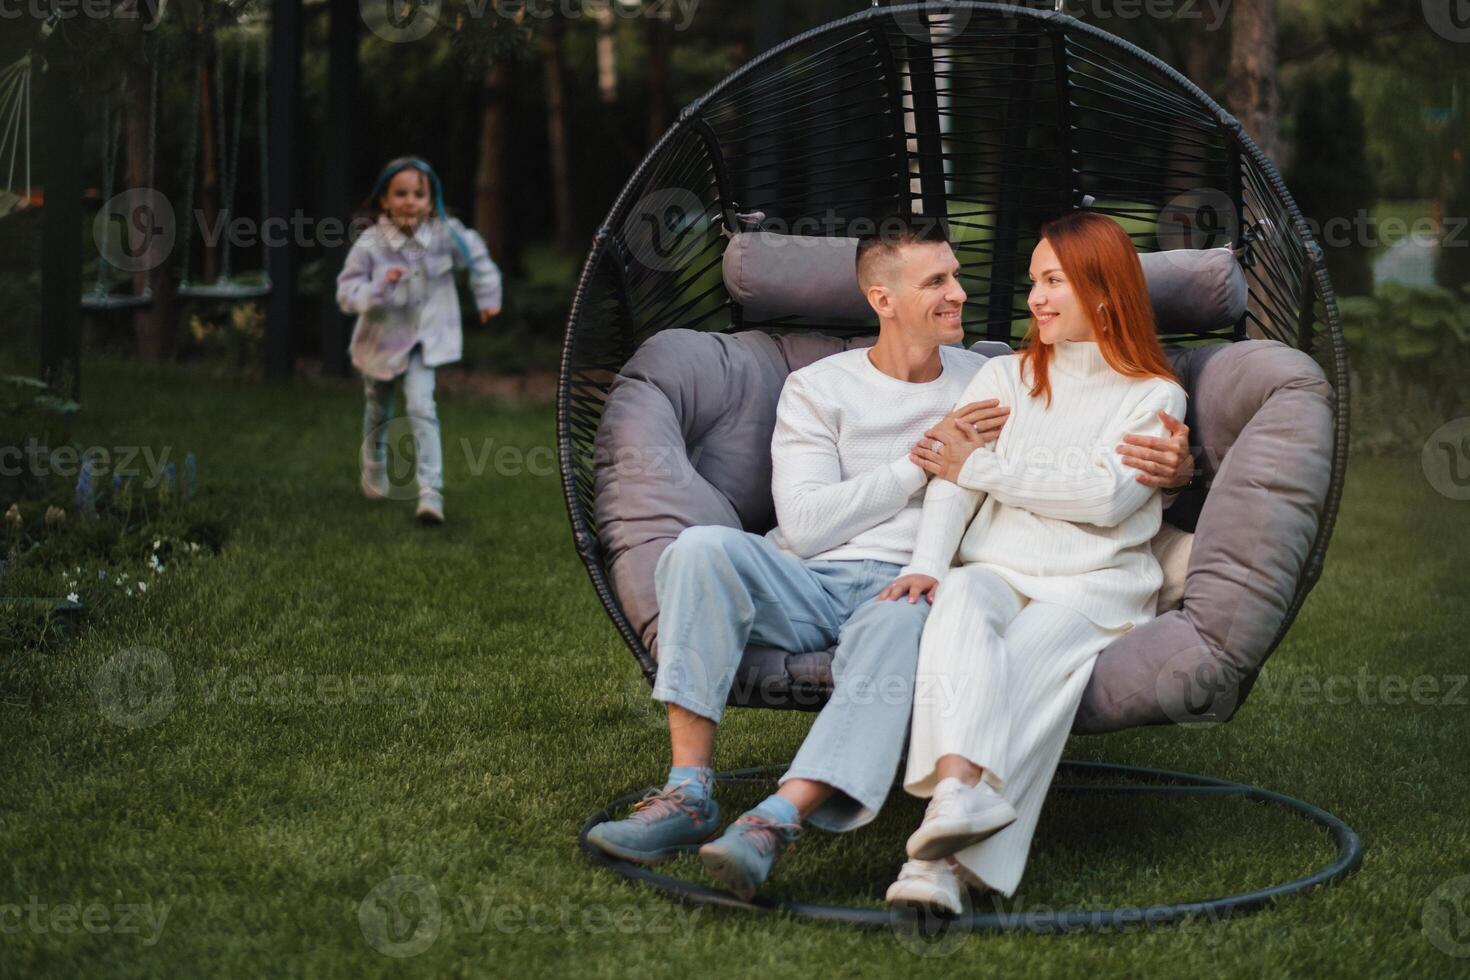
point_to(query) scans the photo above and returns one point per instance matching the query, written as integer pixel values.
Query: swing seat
(97, 301)
(10, 201)
(992, 118)
(226, 289)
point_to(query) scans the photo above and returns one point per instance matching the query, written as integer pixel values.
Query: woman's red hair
(1102, 267)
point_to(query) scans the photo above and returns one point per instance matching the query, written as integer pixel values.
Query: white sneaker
(374, 482)
(431, 507)
(932, 883)
(958, 816)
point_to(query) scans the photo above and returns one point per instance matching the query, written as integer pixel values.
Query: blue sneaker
(744, 855)
(664, 824)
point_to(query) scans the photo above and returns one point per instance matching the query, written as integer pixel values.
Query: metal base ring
(1146, 781)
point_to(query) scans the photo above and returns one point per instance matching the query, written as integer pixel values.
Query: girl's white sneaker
(958, 816)
(431, 507)
(931, 883)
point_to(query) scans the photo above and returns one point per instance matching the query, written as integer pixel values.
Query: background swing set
(242, 91)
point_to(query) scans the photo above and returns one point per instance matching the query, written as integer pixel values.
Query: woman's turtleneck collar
(1079, 358)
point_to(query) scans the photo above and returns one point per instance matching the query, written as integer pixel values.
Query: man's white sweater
(1059, 517)
(842, 482)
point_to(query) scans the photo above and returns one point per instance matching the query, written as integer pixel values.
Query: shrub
(1409, 350)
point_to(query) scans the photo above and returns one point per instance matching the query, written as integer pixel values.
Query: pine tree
(1329, 174)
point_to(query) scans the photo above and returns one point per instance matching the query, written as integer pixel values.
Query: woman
(1053, 567)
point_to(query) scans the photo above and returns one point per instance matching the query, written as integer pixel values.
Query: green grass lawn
(356, 699)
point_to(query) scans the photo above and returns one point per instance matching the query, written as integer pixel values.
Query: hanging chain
(111, 137)
(192, 155)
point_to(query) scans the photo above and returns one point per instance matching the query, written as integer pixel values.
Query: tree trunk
(1251, 89)
(1201, 45)
(607, 55)
(489, 171)
(60, 167)
(283, 119)
(556, 135)
(336, 174)
(658, 78)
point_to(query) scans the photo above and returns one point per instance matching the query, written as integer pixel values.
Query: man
(848, 499)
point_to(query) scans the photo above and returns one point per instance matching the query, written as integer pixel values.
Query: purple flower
(86, 494)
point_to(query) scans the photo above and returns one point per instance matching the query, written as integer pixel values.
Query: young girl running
(399, 280)
(1053, 539)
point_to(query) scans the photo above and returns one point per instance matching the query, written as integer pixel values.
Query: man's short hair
(894, 232)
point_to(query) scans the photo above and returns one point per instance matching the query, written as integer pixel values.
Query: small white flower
(156, 543)
(73, 597)
(142, 586)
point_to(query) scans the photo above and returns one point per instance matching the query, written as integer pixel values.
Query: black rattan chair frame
(895, 117)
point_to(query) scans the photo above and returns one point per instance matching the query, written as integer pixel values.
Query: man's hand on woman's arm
(1163, 462)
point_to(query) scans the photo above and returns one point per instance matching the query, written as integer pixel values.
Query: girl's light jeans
(419, 427)
(720, 588)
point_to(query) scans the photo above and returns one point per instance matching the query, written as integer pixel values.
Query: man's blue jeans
(720, 588)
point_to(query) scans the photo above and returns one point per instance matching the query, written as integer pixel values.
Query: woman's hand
(912, 586)
(986, 418)
(943, 450)
(394, 274)
(485, 315)
(1164, 462)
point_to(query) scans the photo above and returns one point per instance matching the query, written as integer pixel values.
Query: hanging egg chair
(689, 314)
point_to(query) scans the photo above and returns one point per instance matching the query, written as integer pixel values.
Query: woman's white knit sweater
(1059, 517)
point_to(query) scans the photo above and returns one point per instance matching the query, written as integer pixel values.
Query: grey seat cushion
(1261, 413)
(685, 440)
(771, 275)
